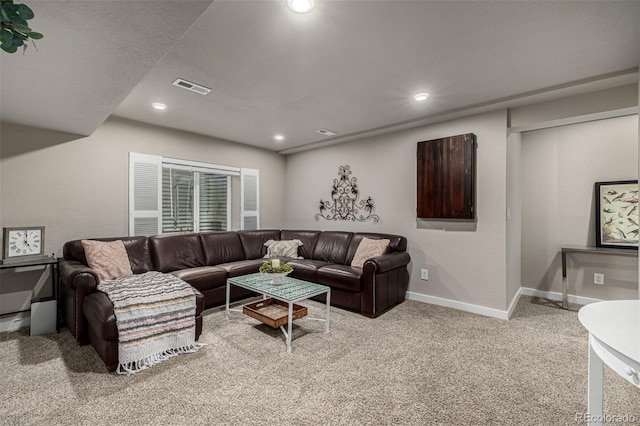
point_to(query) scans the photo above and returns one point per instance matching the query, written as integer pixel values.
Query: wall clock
(22, 243)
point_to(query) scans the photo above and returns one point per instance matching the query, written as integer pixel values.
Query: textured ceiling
(348, 66)
(92, 55)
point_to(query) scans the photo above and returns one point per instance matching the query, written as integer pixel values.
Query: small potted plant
(276, 270)
(14, 29)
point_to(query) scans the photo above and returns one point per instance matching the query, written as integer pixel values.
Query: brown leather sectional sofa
(206, 260)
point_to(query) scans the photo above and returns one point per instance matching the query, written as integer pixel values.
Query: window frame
(197, 168)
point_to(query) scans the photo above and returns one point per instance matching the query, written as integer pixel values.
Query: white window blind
(249, 199)
(145, 194)
(215, 202)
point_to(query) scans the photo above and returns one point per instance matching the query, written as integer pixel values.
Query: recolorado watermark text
(605, 418)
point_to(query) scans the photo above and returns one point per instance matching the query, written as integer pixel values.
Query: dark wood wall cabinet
(446, 177)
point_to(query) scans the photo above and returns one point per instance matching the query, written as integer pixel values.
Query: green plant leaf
(11, 9)
(10, 48)
(20, 36)
(5, 36)
(19, 21)
(21, 28)
(4, 15)
(14, 30)
(25, 11)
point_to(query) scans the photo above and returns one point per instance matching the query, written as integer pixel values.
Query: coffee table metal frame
(291, 291)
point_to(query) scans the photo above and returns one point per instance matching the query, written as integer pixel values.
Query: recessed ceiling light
(159, 106)
(421, 97)
(279, 137)
(301, 6)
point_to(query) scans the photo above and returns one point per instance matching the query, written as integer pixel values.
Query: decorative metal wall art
(345, 203)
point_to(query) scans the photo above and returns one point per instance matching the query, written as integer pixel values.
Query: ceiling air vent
(326, 132)
(191, 86)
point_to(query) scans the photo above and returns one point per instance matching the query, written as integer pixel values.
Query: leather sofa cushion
(253, 242)
(308, 238)
(306, 269)
(341, 276)
(175, 252)
(332, 247)
(221, 247)
(396, 243)
(243, 267)
(350, 300)
(217, 296)
(137, 249)
(203, 278)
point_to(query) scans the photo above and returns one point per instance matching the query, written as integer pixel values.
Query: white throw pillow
(367, 249)
(285, 248)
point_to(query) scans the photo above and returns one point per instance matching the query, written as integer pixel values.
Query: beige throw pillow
(108, 258)
(285, 248)
(367, 249)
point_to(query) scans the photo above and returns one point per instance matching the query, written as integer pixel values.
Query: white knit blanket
(155, 315)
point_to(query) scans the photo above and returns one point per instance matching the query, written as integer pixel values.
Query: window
(177, 201)
(195, 201)
(176, 196)
(214, 205)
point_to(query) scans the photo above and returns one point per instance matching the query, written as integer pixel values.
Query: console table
(588, 250)
(614, 339)
(50, 262)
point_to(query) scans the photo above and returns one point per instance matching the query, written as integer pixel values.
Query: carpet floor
(417, 364)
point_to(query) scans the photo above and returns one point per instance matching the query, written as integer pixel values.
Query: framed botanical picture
(617, 214)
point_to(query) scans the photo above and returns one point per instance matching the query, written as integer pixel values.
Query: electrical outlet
(424, 274)
(598, 279)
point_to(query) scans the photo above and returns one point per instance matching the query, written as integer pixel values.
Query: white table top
(615, 323)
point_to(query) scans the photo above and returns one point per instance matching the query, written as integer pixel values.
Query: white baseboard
(554, 295)
(497, 313)
(514, 302)
(462, 306)
(14, 323)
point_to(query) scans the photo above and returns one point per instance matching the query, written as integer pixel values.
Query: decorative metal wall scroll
(345, 203)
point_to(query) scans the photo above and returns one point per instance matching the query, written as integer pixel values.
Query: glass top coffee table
(291, 290)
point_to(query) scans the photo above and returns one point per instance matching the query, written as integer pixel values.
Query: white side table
(614, 339)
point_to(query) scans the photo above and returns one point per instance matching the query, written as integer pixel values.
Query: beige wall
(571, 106)
(559, 168)
(78, 187)
(466, 263)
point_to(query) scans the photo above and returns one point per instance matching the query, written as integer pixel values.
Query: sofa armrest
(387, 262)
(74, 274)
(77, 281)
(385, 280)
